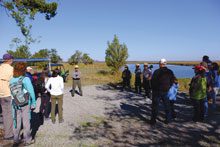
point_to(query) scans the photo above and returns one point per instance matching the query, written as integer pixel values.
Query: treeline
(23, 51)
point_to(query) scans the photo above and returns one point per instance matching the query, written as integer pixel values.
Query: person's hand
(33, 107)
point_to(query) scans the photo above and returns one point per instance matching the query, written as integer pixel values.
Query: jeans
(147, 87)
(172, 110)
(157, 96)
(138, 86)
(199, 107)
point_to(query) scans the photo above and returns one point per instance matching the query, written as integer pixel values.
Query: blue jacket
(32, 101)
(173, 92)
(217, 79)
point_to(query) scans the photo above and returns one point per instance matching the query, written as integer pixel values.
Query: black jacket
(162, 79)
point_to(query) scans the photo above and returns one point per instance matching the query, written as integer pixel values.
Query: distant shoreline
(180, 63)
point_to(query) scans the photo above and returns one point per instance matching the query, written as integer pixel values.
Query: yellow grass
(97, 73)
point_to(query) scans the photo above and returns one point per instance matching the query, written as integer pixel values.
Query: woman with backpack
(55, 86)
(23, 101)
(197, 91)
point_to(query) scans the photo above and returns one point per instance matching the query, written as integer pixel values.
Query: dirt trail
(104, 116)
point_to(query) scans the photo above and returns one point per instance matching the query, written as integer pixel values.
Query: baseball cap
(7, 57)
(199, 67)
(163, 61)
(29, 68)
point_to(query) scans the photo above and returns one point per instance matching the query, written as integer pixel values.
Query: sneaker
(29, 143)
(61, 121)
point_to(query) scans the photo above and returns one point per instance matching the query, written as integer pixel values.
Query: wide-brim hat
(145, 64)
(76, 66)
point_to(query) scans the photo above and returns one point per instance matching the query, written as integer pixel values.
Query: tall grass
(97, 73)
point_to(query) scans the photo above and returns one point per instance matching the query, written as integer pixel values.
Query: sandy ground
(105, 116)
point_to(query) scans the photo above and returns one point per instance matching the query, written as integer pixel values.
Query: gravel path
(105, 116)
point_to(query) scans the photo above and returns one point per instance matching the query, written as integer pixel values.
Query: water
(179, 71)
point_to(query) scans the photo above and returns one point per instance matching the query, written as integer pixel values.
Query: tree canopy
(21, 10)
(79, 57)
(86, 59)
(46, 53)
(116, 54)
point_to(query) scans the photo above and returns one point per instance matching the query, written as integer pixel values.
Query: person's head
(76, 67)
(205, 58)
(126, 67)
(137, 65)
(162, 62)
(29, 69)
(55, 73)
(8, 59)
(199, 69)
(19, 69)
(215, 66)
(145, 65)
(205, 65)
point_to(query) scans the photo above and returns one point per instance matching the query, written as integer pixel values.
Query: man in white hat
(28, 73)
(162, 79)
(76, 81)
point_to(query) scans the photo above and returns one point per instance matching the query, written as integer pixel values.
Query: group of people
(203, 90)
(18, 94)
(19, 89)
(140, 76)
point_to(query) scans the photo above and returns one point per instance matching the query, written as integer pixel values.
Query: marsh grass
(97, 73)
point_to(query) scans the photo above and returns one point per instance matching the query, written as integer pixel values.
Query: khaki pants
(7, 116)
(23, 118)
(59, 100)
(76, 83)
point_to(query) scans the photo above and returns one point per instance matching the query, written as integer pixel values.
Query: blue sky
(151, 29)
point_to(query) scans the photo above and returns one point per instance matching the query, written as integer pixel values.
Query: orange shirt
(6, 73)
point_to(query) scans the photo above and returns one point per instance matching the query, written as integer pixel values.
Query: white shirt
(57, 85)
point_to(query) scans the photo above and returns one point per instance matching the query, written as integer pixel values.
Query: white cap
(163, 61)
(29, 68)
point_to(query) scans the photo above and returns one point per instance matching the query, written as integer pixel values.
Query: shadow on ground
(128, 125)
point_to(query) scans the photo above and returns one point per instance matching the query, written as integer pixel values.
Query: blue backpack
(20, 95)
